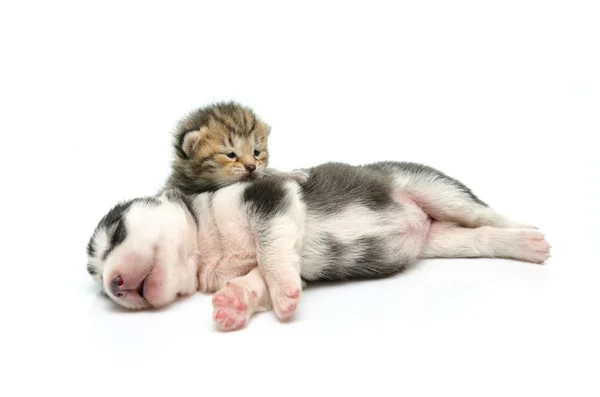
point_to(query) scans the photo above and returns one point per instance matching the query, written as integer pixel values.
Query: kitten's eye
(231, 155)
(256, 152)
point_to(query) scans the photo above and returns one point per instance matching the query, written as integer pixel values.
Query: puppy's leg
(446, 199)
(241, 297)
(279, 262)
(448, 240)
(277, 218)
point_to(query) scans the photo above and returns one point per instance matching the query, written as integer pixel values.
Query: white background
(504, 96)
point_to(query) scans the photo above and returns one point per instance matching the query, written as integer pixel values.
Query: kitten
(218, 145)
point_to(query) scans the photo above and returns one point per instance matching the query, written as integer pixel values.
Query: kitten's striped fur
(204, 139)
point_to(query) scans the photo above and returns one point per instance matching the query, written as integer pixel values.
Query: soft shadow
(313, 285)
(116, 308)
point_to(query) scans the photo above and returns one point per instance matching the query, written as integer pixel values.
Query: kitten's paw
(299, 176)
(533, 246)
(285, 299)
(230, 307)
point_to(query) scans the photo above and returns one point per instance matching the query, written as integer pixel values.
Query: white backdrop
(504, 96)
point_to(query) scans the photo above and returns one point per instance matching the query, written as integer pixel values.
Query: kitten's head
(218, 145)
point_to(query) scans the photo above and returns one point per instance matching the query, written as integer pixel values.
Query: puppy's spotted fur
(254, 242)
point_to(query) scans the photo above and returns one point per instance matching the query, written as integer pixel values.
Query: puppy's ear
(189, 140)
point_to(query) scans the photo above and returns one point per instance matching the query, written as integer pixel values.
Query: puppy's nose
(250, 167)
(115, 286)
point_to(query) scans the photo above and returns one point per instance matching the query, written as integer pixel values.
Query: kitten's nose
(250, 167)
(115, 286)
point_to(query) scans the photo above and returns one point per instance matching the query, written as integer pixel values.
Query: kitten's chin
(248, 177)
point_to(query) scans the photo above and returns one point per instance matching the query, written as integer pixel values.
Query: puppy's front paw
(285, 298)
(230, 307)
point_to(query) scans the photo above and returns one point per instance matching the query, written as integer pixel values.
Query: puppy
(255, 243)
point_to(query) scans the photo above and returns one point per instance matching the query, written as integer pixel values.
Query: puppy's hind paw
(534, 247)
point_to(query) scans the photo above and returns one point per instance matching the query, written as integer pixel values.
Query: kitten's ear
(189, 141)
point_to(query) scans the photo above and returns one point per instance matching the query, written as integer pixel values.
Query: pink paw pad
(292, 292)
(220, 315)
(230, 308)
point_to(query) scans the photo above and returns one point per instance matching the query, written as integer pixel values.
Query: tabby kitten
(218, 145)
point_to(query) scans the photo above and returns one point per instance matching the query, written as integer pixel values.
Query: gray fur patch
(334, 186)
(266, 197)
(364, 258)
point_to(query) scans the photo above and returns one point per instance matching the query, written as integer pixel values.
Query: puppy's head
(142, 252)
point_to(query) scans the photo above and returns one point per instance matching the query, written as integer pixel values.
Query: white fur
(226, 245)
(160, 245)
(447, 240)
(101, 243)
